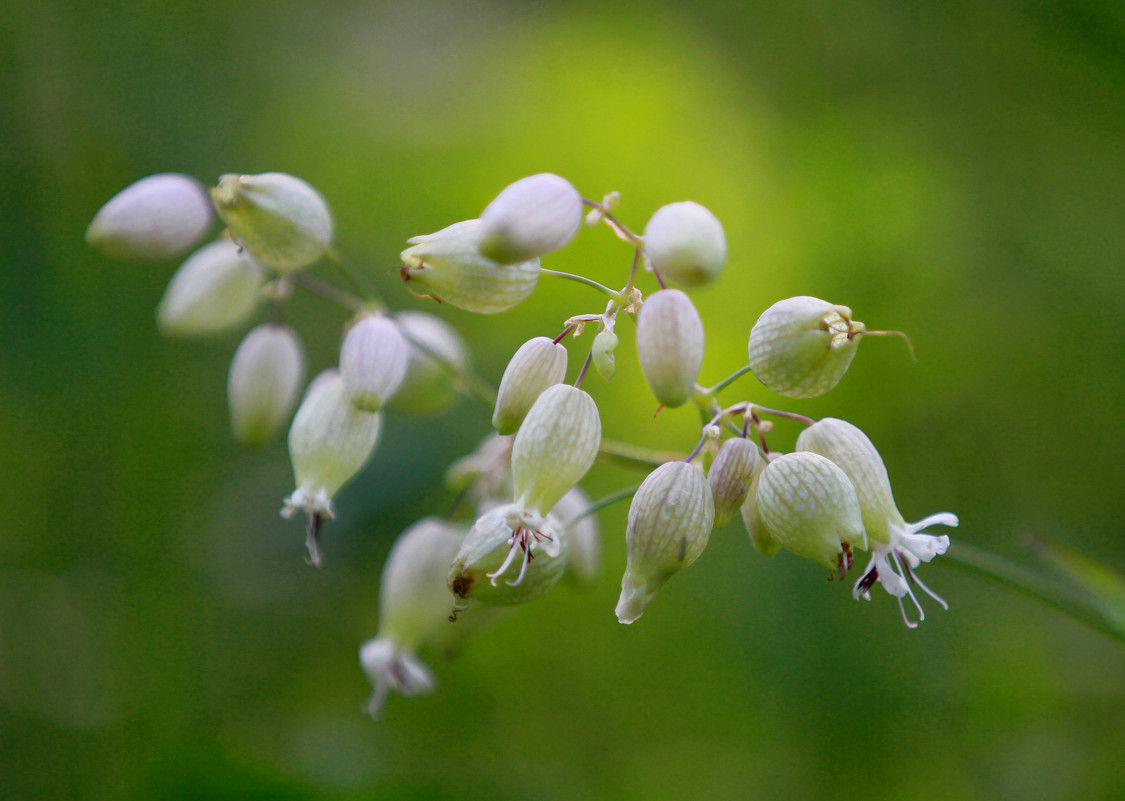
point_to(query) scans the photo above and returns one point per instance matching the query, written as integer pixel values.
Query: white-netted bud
(670, 521)
(602, 353)
(539, 363)
(555, 446)
(436, 354)
(530, 218)
(759, 537)
(670, 345)
(264, 381)
(215, 290)
(279, 218)
(373, 361)
(584, 564)
(414, 603)
(801, 347)
(730, 475)
(155, 218)
(449, 265)
(494, 543)
(685, 243)
(329, 442)
(808, 506)
(898, 547)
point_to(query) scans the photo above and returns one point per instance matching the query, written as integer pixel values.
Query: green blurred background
(951, 169)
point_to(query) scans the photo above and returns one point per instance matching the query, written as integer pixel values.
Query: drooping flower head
(530, 218)
(898, 547)
(670, 345)
(156, 217)
(685, 243)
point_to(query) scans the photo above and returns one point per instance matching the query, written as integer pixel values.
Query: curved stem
(470, 383)
(626, 455)
(337, 260)
(726, 382)
(604, 501)
(329, 292)
(581, 279)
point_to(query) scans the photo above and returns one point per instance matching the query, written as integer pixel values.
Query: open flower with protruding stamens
(898, 547)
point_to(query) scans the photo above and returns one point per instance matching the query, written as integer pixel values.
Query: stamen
(910, 624)
(523, 568)
(507, 562)
(910, 592)
(910, 574)
(866, 582)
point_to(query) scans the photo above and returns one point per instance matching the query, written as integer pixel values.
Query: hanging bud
(760, 538)
(538, 364)
(155, 218)
(414, 604)
(584, 564)
(329, 442)
(280, 219)
(449, 265)
(373, 362)
(530, 218)
(809, 507)
(670, 345)
(265, 377)
(730, 475)
(484, 473)
(215, 290)
(685, 244)
(670, 520)
(898, 547)
(801, 347)
(494, 543)
(436, 354)
(602, 353)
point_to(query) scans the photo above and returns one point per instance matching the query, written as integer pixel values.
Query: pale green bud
(484, 473)
(801, 347)
(729, 477)
(414, 604)
(428, 387)
(584, 564)
(264, 381)
(155, 218)
(538, 364)
(670, 521)
(216, 289)
(809, 507)
(530, 218)
(685, 243)
(670, 345)
(373, 362)
(605, 343)
(759, 537)
(279, 218)
(555, 446)
(498, 538)
(449, 265)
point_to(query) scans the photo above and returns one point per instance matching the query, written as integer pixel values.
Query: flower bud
(373, 362)
(414, 603)
(760, 538)
(605, 343)
(730, 475)
(809, 507)
(530, 218)
(555, 446)
(449, 265)
(280, 219)
(428, 386)
(538, 364)
(156, 217)
(215, 290)
(801, 347)
(329, 442)
(484, 473)
(264, 380)
(670, 345)
(685, 243)
(491, 546)
(670, 520)
(584, 564)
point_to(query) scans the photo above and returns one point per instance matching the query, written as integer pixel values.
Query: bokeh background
(952, 169)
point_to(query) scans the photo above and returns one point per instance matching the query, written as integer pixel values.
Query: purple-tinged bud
(685, 243)
(730, 475)
(530, 218)
(437, 353)
(279, 218)
(539, 363)
(264, 381)
(670, 345)
(373, 362)
(216, 289)
(670, 521)
(801, 347)
(449, 265)
(155, 218)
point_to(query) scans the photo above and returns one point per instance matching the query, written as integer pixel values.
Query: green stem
(726, 382)
(329, 292)
(470, 383)
(626, 455)
(336, 259)
(580, 279)
(606, 500)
